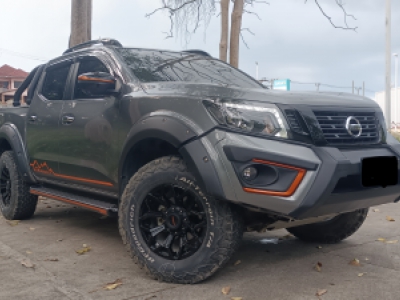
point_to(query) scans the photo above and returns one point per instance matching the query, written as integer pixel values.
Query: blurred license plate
(379, 171)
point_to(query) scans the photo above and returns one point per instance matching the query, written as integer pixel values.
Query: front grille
(333, 125)
(293, 120)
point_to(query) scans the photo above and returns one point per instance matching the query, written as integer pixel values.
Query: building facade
(10, 80)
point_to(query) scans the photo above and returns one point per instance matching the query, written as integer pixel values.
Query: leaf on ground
(32, 228)
(83, 250)
(390, 219)
(28, 252)
(375, 210)
(60, 240)
(392, 242)
(226, 290)
(113, 285)
(321, 292)
(286, 237)
(319, 247)
(27, 263)
(238, 262)
(236, 298)
(13, 223)
(318, 267)
(51, 259)
(355, 262)
(361, 274)
(381, 240)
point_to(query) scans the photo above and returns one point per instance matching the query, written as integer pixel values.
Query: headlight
(263, 119)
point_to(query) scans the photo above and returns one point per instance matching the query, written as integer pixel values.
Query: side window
(90, 90)
(54, 83)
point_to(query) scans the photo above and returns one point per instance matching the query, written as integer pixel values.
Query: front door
(43, 133)
(88, 123)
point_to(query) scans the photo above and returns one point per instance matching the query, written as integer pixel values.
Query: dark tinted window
(89, 90)
(151, 66)
(3, 84)
(54, 83)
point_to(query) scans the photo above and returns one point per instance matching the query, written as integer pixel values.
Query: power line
(23, 55)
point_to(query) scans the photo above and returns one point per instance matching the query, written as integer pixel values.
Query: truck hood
(204, 91)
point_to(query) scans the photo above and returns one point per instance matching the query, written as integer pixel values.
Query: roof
(7, 71)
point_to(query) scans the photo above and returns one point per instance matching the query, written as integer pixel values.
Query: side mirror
(97, 84)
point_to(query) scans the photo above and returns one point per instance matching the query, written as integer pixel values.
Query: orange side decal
(45, 169)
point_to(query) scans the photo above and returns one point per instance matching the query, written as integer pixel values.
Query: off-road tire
(331, 231)
(223, 235)
(22, 204)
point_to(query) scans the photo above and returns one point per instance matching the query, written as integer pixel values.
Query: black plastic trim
(281, 182)
(34, 84)
(235, 153)
(201, 166)
(10, 133)
(24, 86)
(162, 127)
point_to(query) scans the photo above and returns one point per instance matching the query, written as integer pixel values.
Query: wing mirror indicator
(98, 77)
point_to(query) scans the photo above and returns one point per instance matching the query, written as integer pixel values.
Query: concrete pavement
(267, 270)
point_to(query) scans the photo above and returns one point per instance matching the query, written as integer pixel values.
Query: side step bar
(102, 207)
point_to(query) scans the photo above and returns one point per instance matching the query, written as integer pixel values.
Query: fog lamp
(249, 173)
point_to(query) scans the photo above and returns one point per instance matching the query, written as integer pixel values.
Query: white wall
(380, 99)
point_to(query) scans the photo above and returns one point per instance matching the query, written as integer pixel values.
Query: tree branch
(345, 15)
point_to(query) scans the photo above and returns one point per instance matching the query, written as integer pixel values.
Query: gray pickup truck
(189, 152)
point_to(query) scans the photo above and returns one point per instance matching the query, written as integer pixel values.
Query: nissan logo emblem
(353, 127)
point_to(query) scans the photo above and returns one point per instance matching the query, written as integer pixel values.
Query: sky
(293, 40)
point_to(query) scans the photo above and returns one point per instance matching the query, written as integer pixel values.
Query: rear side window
(54, 83)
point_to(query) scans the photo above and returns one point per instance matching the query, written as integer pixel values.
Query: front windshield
(155, 66)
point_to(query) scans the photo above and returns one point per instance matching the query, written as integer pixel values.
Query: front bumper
(331, 184)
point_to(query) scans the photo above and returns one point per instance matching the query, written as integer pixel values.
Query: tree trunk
(236, 27)
(80, 22)
(223, 45)
(89, 20)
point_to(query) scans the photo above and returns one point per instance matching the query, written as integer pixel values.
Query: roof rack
(104, 42)
(198, 52)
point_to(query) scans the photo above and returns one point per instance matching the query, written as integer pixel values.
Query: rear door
(89, 130)
(43, 135)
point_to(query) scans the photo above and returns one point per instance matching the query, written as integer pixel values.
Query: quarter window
(54, 83)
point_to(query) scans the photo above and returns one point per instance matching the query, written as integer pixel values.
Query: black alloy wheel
(172, 222)
(5, 186)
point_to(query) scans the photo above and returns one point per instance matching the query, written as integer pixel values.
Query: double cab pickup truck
(189, 153)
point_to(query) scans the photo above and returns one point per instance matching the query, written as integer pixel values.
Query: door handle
(32, 118)
(66, 120)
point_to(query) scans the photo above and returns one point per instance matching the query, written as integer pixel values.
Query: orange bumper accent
(290, 191)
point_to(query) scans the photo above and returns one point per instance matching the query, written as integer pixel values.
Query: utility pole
(388, 88)
(363, 88)
(256, 70)
(81, 22)
(396, 104)
(352, 87)
(317, 85)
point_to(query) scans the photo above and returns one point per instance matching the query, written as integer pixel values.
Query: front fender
(10, 133)
(183, 135)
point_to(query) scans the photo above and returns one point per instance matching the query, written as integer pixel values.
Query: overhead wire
(23, 55)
